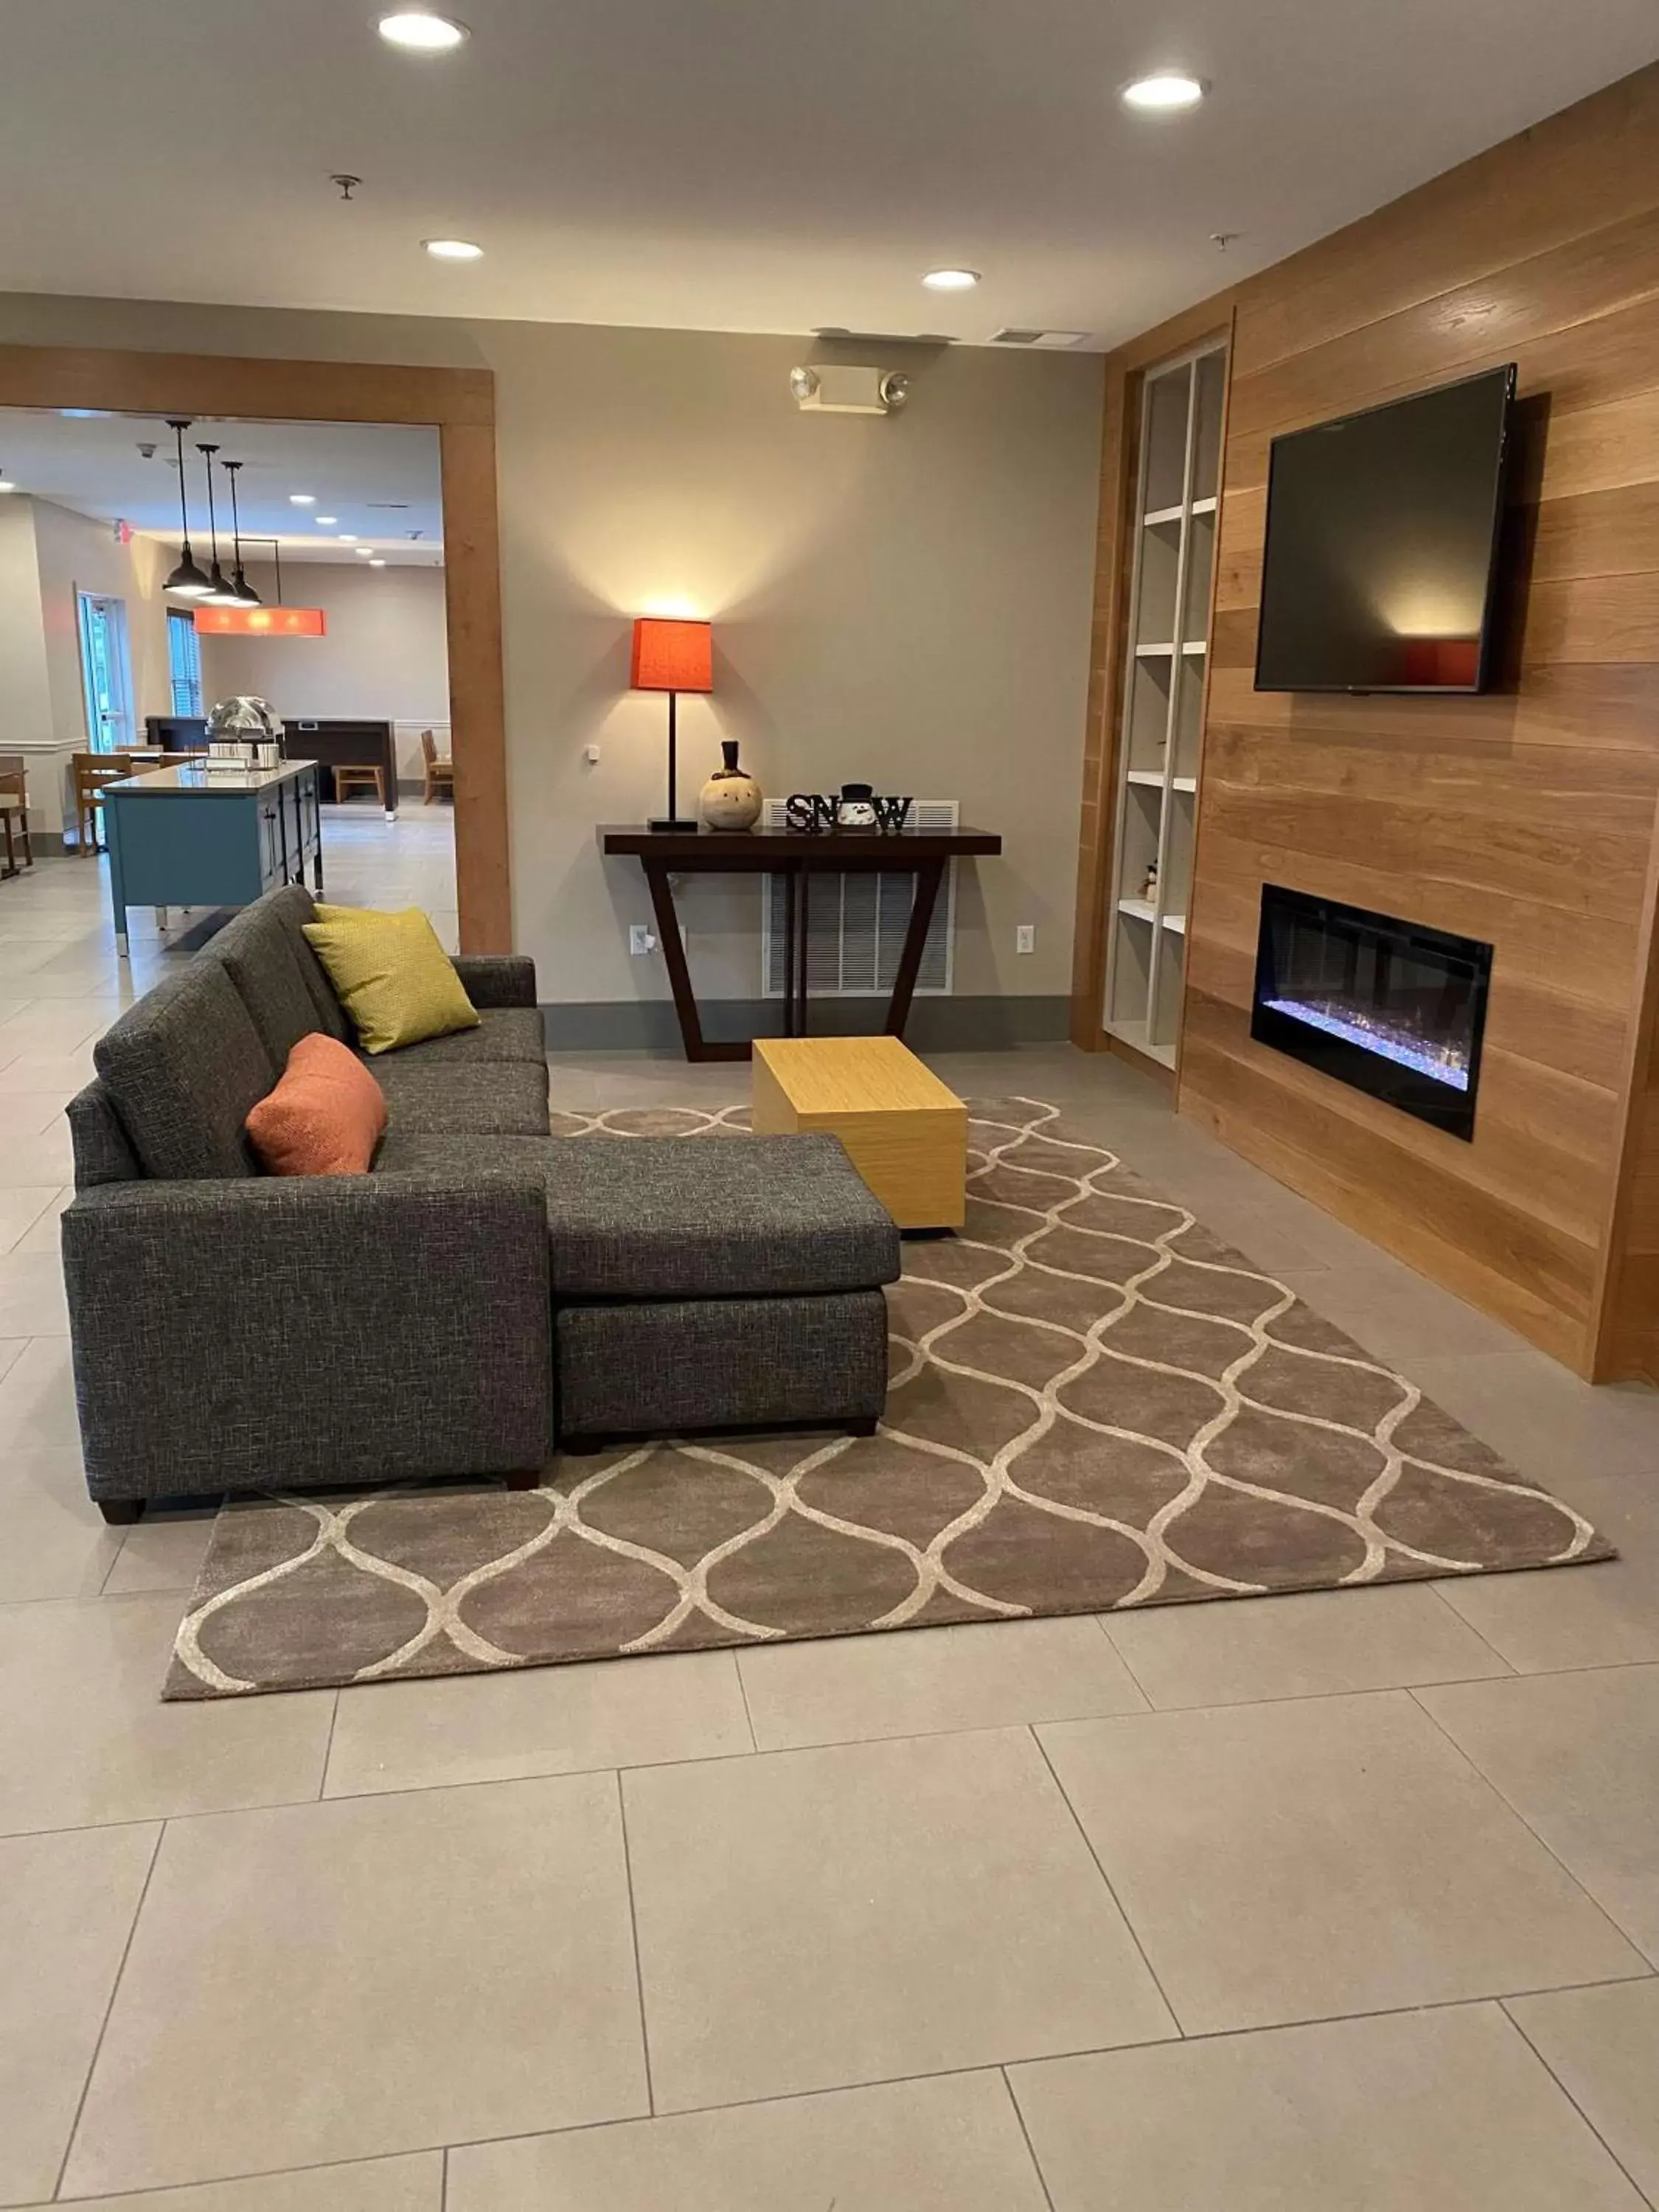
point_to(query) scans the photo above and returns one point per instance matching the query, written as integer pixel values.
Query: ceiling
(378, 480)
(749, 165)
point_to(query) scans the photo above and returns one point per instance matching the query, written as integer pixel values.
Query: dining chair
(360, 775)
(14, 810)
(440, 770)
(91, 772)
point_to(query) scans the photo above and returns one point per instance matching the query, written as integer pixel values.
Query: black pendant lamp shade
(241, 591)
(219, 593)
(186, 579)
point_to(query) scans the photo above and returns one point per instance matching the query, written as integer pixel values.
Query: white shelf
(1163, 514)
(1173, 560)
(1135, 1034)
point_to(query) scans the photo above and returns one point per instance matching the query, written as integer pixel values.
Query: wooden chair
(14, 810)
(91, 772)
(440, 770)
(364, 777)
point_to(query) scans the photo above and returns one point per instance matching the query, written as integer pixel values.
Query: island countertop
(161, 782)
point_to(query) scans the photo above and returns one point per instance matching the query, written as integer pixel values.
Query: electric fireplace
(1383, 1005)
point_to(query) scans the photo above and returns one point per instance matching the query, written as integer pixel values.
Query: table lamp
(671, 657)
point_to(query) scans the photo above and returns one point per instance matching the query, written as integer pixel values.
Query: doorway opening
(106, 671)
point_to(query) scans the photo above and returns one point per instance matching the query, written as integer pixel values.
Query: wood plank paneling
(1525, 819)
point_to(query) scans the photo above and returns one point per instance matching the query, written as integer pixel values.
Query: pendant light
(186, 579)
(241, 590)
(219, 592)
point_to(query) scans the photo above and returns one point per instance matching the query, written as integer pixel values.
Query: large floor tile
(28, 1162)
(338, 1981)
(411, 2184)
(1577, 1756)
(540, 1720)
(1291, 1861)
(1398, 1315)
(1602, 2045)
(849, 1688)
(953, 2144)
(84, 1737)
(66, 1909)
(53, 1541)
(45, 1235)
(32, 1301)
(19, 1211)
(37, 1396)
(1602, 1615)
(162, 1552)
(812, 1919)
(1427, 2111)
(1545, 1421)
(1302, 1645)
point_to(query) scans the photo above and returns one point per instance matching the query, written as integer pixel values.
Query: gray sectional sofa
(487, 1292)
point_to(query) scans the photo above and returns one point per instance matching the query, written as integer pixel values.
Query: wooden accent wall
(1525, 818)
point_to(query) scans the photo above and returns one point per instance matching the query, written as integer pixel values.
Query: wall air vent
(1049, 341)
(855, 922)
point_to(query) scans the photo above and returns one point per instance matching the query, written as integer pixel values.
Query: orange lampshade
(261, 622)
(672, 656)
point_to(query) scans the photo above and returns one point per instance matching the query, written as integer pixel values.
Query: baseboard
(986, 1024)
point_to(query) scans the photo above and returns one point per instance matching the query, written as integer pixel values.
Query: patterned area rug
(1094, 1404)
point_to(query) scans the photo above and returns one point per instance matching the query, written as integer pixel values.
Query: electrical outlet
(640, 938)
(1025, 937)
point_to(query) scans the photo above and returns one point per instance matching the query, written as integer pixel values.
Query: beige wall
(906, 601)
(384, 658)
(48, 554)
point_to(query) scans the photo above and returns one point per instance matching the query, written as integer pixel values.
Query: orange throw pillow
(325, 1117)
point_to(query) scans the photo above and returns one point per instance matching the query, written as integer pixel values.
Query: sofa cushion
(183, 1065)
(294, 907)
(495, 1098)
(673, 1217)
(510, 1034)
(256, 951)
(103, 1150)
(325, 1117)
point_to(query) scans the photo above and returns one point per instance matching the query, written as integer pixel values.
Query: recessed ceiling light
(365, 553)
(452, 249)
(325, 521)
(347, 538)
(376, 560)
(419, 31)
(1164, 92)
(950, 280)
(6, 484)
(302, 499)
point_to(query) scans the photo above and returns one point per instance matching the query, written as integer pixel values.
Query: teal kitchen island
(181, 836)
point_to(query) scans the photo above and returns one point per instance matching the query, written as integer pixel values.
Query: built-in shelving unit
(1163, 692)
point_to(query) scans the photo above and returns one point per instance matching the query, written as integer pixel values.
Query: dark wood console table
(795, 854)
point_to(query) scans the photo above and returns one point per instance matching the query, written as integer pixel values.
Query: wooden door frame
(459, 403)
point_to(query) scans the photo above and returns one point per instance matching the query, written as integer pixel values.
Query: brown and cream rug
(1094, 1404)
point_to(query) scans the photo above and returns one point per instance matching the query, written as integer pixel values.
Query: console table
(178, 836)
(796, 855)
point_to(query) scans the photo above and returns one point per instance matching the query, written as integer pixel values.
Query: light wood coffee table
(906, 1132)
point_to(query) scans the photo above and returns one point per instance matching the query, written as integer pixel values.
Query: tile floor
(1310, 1902)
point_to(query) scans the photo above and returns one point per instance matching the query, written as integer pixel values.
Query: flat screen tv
(1381, 548)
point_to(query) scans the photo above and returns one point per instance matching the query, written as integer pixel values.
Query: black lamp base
(675, 828)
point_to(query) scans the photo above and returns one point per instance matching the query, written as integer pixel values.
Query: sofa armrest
(288, 1333)
(497, 979)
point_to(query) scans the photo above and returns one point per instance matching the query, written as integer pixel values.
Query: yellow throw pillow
(390, 974)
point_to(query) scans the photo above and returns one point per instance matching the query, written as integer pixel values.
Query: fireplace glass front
(1385, 1005)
